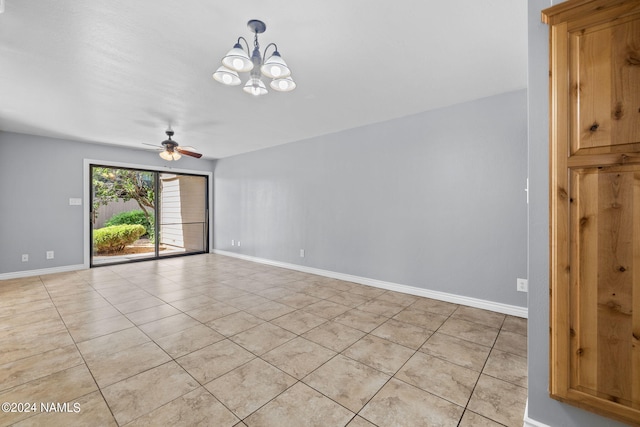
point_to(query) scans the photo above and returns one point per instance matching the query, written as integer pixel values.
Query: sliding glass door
(143, 214)
(183, 225)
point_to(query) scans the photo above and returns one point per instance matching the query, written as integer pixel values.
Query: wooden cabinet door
(595, 205)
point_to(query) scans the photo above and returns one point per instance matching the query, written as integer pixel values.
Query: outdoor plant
(116, 237)
(133, 217)
(117, 184)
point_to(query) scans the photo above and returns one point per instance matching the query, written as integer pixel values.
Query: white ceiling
(119, 71)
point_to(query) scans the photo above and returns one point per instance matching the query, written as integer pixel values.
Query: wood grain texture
(595, 206)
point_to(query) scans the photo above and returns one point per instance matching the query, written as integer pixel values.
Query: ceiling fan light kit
(173, 151)
(238, 60)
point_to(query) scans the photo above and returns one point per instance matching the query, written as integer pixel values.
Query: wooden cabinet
(595, 205)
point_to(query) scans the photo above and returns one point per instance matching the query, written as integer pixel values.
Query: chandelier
(238, 61)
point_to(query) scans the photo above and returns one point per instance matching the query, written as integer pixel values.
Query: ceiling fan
(172, 151)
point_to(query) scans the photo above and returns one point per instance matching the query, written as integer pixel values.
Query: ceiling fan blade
(188, 153)
(157, 147)
(188, 148)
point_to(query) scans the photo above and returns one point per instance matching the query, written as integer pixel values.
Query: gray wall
(435, 200)
(541, 407)
(37, 177)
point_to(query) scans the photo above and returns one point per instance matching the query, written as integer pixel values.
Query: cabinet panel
(605, 82)
(595, 206)
(605, 218)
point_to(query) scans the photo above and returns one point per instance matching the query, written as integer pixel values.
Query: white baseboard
(512, 310)
(52, 270)
(529, 422)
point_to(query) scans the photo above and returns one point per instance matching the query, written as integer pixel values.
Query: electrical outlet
(301, 253)
(233, 243)
(522, 285)
(238, 243)
(25, 257)
(49, 254)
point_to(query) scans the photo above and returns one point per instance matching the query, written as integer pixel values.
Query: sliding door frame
(87, 247)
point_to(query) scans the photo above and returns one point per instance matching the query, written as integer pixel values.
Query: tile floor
(214, 340)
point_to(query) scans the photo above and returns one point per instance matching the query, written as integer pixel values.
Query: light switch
(73, 201)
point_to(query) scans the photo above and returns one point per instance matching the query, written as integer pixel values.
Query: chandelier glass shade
(238, 61)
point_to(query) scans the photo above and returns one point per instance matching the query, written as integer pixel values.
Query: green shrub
(132, 217)
(116, 237)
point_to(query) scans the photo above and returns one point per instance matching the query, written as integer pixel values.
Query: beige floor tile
(358, 421)
(499, 401)
(224, 293)
(21, 319)
(298, 300)
(234, 323)
(214, 360)
(334, 336)
(124, 288)
(366, 291)
(129, 306)
(399, 298)
(442, 308)
(326, 309)
(477, 315)
(87, 331)
(196, 408)
(515, 324)
(361, 320)
(283, 320)
(212, 311)
(380, 354)
(424, 319)
(402, 333)
(349, 299)
(262, 338)
(471, 419)
(33, 343)
(300, 405)
(115, 367)
(62, 386)
(25, 307)
(86, 297)
(347, 381)
(189, 340)
(30, 368)
(320, 291)
(401, 404)
(298, 357)
(512, 342)
(140, 394)
(270, 310)
(178, 295)
(382, 307)
(192, 303)
(461, 352)
(126, 297)
(91, 410)
(298, 321)
(112, 343)
(480, 334)
(508, 367)
(75, 306)
(151, 314)
(444, 379)
(88, 316)
(276, 292)
(168, 325)
(247, 301)
(247, 388)
(17, 333)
